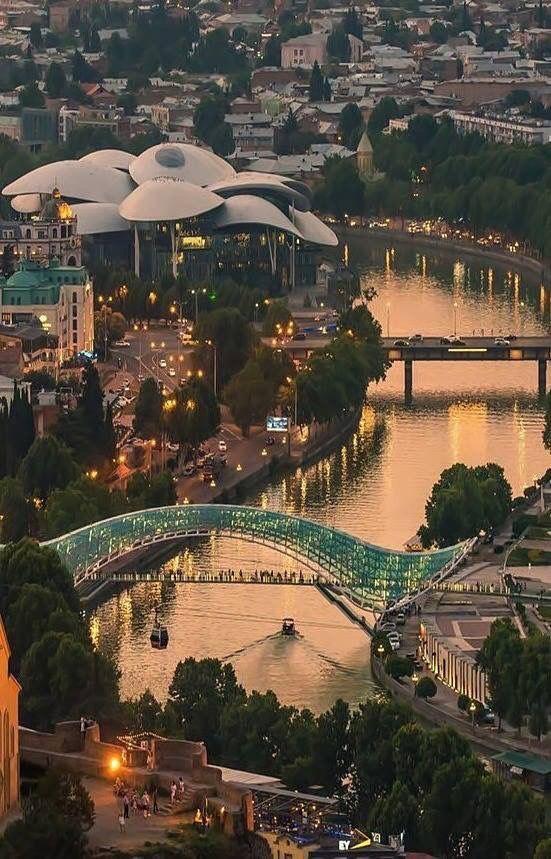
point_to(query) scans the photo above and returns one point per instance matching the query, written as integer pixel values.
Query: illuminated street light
(239, 467)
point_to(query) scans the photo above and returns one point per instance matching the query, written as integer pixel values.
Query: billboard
(274, 423)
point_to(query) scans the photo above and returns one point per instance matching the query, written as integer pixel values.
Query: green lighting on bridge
(371, 575)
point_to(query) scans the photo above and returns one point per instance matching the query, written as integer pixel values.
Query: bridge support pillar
(408, 380)
(542, 377)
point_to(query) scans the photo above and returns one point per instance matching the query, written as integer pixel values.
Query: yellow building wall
(9, 730)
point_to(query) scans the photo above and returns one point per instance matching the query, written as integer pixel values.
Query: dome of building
(97, 218)
(165, 199)
(261, 185)
(116, 158)
(248, 209)
(313, 230)
(55, 208)
(180, 161)
(26, 204)
(76, 180)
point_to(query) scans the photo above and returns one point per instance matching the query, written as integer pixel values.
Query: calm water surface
(374, 486)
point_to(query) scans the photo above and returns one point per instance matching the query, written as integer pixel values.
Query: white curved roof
(26, 203)
(313, 230)
(259, 183)
(247, 209)
(180, 161)
(116, 158)
(76, 180)
(95, 218)
(167, 200)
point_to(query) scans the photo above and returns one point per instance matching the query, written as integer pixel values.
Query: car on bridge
(401, 342)
(502, 341)
(415, 338)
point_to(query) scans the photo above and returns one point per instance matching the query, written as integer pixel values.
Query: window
(41, 234)
(75, 311)
(28, 235)
(75, 297)
(63, 232)
(75, 338)
(54, 233)
(75, 324)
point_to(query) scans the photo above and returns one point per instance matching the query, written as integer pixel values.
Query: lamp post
(195, 292)
(388, 319)
(380, 651)
(415, 681)
(472, 711)
(215, 365)
(455, 318)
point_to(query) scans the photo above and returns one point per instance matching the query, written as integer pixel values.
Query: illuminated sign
(468, 349)
(197, 242)
(277, 424)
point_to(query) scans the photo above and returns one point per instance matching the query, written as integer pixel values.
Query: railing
(370, 574)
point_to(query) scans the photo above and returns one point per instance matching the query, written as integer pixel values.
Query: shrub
(426, 688)
(398, 666)
(463, 703)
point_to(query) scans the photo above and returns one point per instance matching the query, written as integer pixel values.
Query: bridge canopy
(371, 575)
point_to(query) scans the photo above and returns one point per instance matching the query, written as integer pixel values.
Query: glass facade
(370, 574)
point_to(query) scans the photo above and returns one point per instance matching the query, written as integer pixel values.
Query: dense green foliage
(61, 673)
(391, 774)
(88, 431)
(465, 501)
(518, 671)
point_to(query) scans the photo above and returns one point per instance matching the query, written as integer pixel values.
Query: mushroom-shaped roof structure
(94, 218)
(26, 203)
(76, 180)
(313, 230)
(260, 184)
(180, 161)
(248, 209)
(116, 158)
(164, 199)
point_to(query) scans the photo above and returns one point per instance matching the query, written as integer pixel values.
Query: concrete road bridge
(368, 574)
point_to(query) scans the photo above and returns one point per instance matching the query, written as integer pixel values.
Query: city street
(149, 348)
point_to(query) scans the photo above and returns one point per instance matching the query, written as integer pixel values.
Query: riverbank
(522, 263)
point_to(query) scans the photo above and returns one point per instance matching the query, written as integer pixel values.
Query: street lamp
(215, 361)
(472, 711)
(415, 681)
(388, 319)
(195, 292)
(380, 651)
(455, 318)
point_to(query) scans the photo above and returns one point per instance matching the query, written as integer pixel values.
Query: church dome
(56, 209)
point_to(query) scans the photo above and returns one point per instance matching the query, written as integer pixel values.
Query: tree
(233, 337)
(277, 320)
(48, 465)
(43, 834)
(35, 610)
(95, 43)
(316, 83)
(55, 80)
(547, 424)
(128, 102)
(465, 501)
(343, 192)
(439, 32)
(20, 430)
(398, 666)
(395, 813)
(14, 510)
(248, 396)
(31, 96)
(65, 794)
(208, 115)
(350, 121)
(352, 23)
(149, 409)
(425, 688)
(159, 491)
(385, 110)
(272, 52)
(221, 139)
(199, 692)
(192, 415)
(338, 45)
(83, 72)
(35, 35)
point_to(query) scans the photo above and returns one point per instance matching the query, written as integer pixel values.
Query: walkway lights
(472, 711)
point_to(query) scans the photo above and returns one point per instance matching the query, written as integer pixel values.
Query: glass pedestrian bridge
(369, 575)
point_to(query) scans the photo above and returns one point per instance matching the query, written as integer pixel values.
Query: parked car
(162, 363)
(300, 335)
(387, 627)
(400, 618)
(189, 469)
(172, 371)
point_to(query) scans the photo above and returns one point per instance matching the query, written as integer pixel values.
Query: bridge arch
(370, 574)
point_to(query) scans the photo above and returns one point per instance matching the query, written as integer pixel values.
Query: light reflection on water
(374, 486)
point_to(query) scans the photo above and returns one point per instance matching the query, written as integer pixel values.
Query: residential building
(501, 129)
(51, 233)
(26, 347)
(34, 128)
(59, 297)
(9, 728)
(304, 51)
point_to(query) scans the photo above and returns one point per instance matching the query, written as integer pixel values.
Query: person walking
(173, 790)
(122, 822)
(181, 789)
(82, 731)
(126, 806)
(154, 797)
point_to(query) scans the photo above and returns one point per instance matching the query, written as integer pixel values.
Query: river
(374, 486)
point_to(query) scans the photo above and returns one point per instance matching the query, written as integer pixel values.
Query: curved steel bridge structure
(368, 574)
